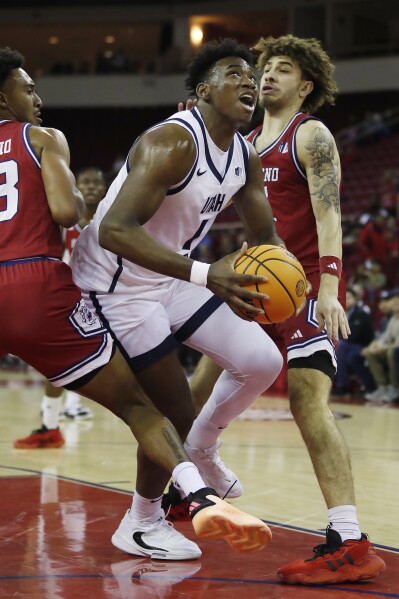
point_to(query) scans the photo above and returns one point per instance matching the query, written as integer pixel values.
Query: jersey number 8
(8, 189)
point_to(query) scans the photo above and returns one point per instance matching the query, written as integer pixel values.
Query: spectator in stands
(380, 355)
(372, 242)
(376, 279)
(383, 313)
(389, 192)
(349, 357)
(391, 265)
(396, 359)
(371, 277)
(374, 127)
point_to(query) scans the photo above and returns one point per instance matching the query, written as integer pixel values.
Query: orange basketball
(286, 285)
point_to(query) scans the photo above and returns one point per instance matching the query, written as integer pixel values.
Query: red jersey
(70, 236)
(286, 188)
(26, 224)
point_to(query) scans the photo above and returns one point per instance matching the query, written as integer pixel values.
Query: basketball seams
(290, 263)
(265, 260)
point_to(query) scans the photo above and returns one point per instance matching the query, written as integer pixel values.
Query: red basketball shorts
(44, 321)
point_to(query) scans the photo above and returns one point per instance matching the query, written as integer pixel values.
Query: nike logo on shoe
(138, 539)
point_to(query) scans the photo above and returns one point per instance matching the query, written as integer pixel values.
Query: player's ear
(306, 88)
(203, 91)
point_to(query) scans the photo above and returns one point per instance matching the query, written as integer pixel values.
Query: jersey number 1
(8, 189)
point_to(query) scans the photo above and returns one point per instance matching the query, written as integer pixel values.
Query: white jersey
(180, 223)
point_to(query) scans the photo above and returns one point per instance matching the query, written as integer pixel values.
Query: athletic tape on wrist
(331, 265)
(199, 273)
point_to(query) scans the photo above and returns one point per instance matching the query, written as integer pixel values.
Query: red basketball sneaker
(41, 439)
(335, 562)
(176, 509)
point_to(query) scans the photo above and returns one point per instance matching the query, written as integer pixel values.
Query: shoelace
(215, 461)
(168, 528)
(41, 430)
(325, 548)
(322, 549)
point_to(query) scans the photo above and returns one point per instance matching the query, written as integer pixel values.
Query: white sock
(72, 401)
(146, 509)
(203, 433)
(186, 477)
(343, 519)
(51, 408)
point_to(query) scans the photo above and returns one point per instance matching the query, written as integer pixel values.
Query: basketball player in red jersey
(302, 182)
(90, 182)
(44, 320)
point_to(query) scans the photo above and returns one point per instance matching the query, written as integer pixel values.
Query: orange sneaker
(213, 518)
(41, 439)
(335, 562)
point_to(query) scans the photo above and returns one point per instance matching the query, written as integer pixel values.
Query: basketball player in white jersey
(60, 337)
(133, 264)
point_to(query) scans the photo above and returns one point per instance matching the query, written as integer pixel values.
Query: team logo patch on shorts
(88, 316)
(85, 320)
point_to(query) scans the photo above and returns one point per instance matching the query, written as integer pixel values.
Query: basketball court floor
(59, 507)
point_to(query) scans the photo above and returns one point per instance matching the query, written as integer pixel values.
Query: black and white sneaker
(78, 413)
(159, 540)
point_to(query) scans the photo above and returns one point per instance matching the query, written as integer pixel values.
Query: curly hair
(9, 60)
(200, 68)
(313, 61)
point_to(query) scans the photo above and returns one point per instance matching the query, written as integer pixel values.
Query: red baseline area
(55, 544)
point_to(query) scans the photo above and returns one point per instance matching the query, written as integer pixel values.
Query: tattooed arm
(318, 154)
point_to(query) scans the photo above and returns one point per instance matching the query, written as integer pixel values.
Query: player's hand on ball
(286, 281)
(232, 287)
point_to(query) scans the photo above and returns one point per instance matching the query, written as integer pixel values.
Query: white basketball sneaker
(378, 394)
(159, 540)
(214, 471)
(146, 579)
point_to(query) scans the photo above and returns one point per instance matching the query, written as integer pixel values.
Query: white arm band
(199, 273)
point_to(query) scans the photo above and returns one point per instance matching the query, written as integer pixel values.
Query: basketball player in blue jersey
(133, 264)
(44, 320)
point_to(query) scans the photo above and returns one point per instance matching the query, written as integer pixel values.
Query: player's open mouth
(248, 100)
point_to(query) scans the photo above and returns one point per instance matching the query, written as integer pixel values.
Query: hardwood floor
(60, 507)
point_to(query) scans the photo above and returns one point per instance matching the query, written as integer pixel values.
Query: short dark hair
(86, 169)
(199, 69)
(9, 60)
